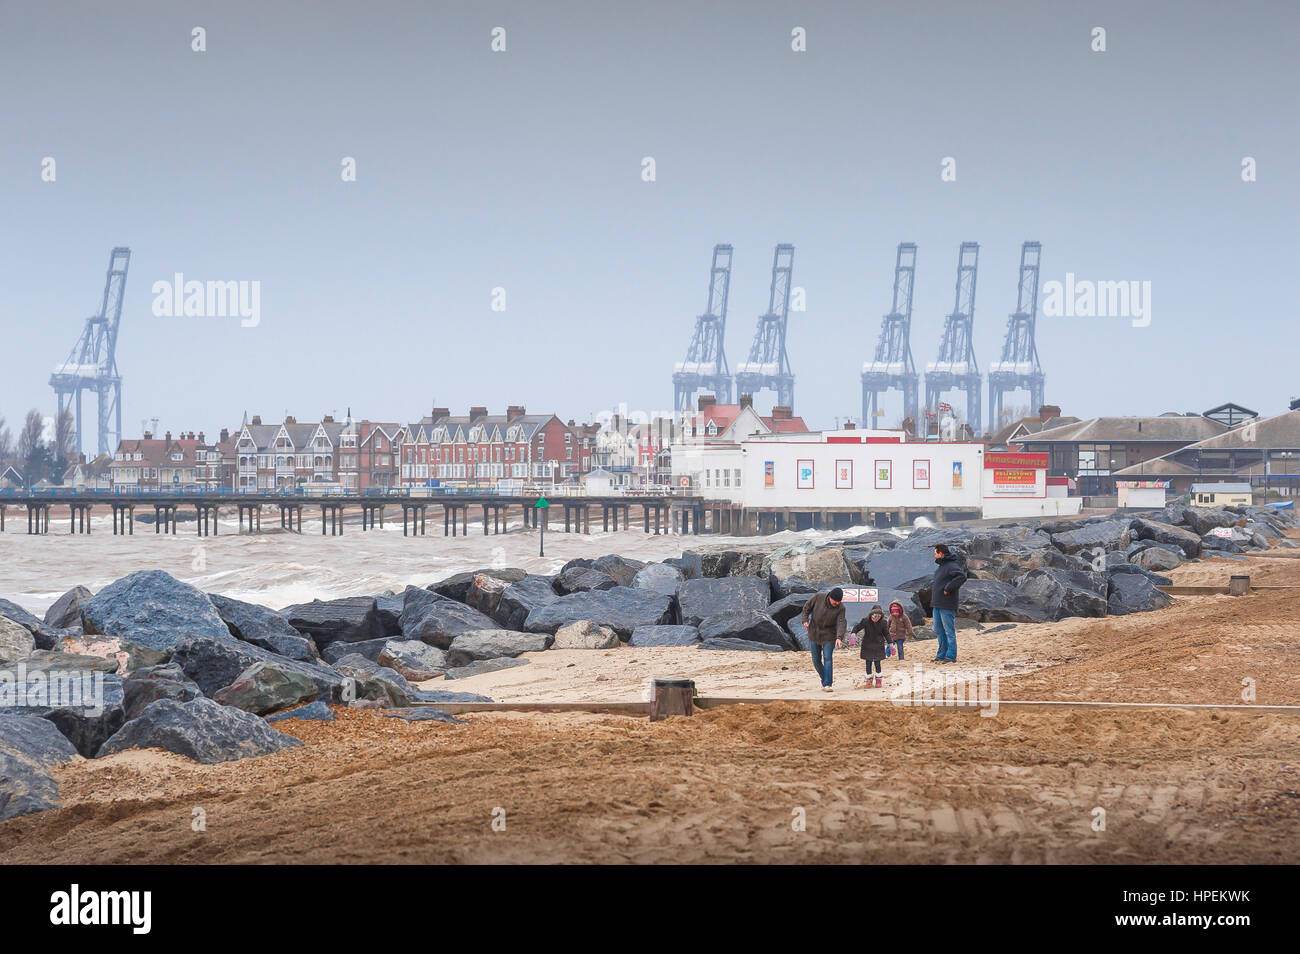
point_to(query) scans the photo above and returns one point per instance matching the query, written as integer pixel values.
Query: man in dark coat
(948, 579)
(823, 617)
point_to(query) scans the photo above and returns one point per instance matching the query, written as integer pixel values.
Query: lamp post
(541, 507)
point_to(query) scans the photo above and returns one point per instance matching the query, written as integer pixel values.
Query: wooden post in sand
(672, 697)
(1238, 585)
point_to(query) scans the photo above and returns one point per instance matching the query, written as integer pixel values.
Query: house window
(737, 476)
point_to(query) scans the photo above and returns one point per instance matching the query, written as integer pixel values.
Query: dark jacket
(900, 627)
(875, 635)
(825, 622)
(948, 579)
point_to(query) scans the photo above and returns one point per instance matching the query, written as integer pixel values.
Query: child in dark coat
(874, 639)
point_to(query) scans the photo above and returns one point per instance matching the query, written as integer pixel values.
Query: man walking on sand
(948, 579)
(823, 617)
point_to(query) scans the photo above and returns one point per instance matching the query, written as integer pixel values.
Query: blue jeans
(822, 653)
(945, 627)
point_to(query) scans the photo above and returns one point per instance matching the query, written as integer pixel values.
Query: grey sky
(522, 170)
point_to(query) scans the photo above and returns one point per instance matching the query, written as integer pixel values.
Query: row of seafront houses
(720, 451)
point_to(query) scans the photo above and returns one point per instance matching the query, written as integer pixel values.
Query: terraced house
(288, 454)
(481, 448)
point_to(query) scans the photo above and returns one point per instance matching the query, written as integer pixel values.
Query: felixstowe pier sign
(1014, 475)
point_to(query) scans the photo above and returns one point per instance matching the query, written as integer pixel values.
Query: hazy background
(523, 170)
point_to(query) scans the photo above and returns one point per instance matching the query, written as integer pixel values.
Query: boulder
(992, 601)
(858, 559)
(699, 599)
(1188, 542)
(438, 621)
(348, 620)
(986, 542)
(664, 636)
(1063, 593)
(1104, 535)
(622, 569)
(375, 682)
(422, 714)
(265, 687)
(480, 666)
(521, 598)
(1133, 593)
(46, 637)
(1006, 565)
(264, 627)
(370, 648)
(447, 695)
(200, 729)
(892, 568)
(66, 610)
(484, 594)
(389, 607)
(415, 660)
(580, 579)
(457, 587)
(804, 568)
(787, 608)
(15, 641)
(29, 747)
(718, 562)
(152, 609)
(151, 683)
(87, 708)
(216, 663)
(585, 634)
(494, 643)
(50, 661)
(126, 655)
(747, 625)
(659, 578)
(1158, 558)
(1201, 520)
(312, 711)
(622, 609)
(739, 644)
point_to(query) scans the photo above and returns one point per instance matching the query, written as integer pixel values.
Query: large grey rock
(492, 644)
(484, 593)
(1188, 542)
(438, 622)
(457, 587)
(986, 542)
(1006, 565)
(1063, 593)
(892, 568)
(370, 648)
(1158, 558)
(29, 747)
(151, 683)
(701, 598)
(479, 666)
(415, 660)
(718, 562)
(87, 708)
(787, 608)
(153, 609)
(992, 601)
(46, 637)
(659, 578)
(580, 579)
(200, 729)
(66, 610)
(1202, 520)
(622, 609)
(1105, 534)
(312, 711)
(1131, 593)
(266, 687)
(215, 663)
(521, 598)
(389, 608)
(806, 568)
(347, 620)
(1155, 578)
(742, 645)
(375, 682)
(621, 568)
(263, 627)
(664, 636)
(15, 641)
(585, 634)
(749, 625)
(51, 661)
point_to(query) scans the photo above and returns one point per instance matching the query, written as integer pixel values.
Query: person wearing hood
(874, 641)
(948, 579)
(900, 627)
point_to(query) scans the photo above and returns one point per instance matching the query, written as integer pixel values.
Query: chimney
(201, 440)
(290, 419)
(225, 434)
(167, 436)
(257, 420)
(571, 424)
(438, 413)
(1047, 412)
(782, 413)
(329, 419)
(707, 400)
(747, 400)
(515, 411)
(148, 435)
(476, 412)
(850, 426)
(81, 458)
